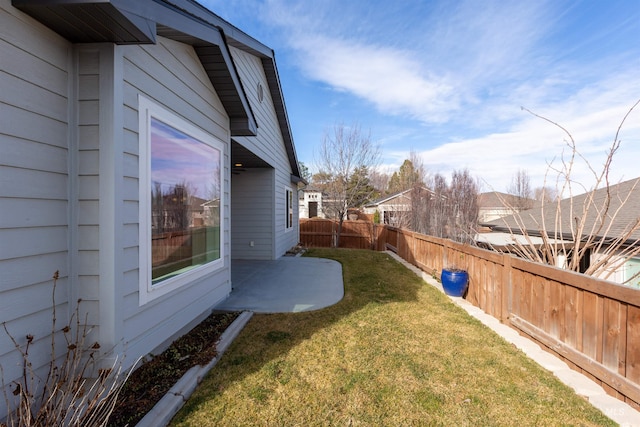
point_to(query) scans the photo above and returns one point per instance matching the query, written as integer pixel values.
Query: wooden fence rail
(592, 324)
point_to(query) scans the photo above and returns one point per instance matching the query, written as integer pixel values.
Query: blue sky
(447, 79)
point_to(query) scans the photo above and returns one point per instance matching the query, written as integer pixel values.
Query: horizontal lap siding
(171, 75)
(34, 196)
(251, 216)
(87, 257)
(269, 146)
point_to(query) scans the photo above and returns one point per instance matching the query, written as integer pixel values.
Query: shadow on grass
(370, 279)
(394, 351)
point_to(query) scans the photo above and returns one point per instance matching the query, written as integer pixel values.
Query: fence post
(374, 238)
(445, 252)
(507, 289)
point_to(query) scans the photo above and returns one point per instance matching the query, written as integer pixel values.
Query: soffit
(138, 22)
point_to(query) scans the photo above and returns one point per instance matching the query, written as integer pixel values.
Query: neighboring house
(494, 205)
(311, 203)
(392, 208)
(121, 123)
(617, 225)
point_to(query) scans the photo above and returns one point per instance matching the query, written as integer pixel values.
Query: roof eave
(275, 89)
(139, 22)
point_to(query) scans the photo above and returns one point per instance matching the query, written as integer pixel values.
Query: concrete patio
(289, 284)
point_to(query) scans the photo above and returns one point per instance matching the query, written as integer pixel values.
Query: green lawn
(394, 352)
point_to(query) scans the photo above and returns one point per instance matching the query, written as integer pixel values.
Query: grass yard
(394, 352)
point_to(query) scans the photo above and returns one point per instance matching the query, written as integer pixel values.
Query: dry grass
(394, 351)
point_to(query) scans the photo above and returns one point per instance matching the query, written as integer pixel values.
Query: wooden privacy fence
(592, 324)
(322, 233)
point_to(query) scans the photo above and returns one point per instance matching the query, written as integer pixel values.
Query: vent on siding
(260, 93)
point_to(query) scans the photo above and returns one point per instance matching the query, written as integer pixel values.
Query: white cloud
(462, 70)
(450, 60)
(532, 144)
(387, 78)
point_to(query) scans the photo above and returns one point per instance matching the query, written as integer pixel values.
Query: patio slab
(285, 285)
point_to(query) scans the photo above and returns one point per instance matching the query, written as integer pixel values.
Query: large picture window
(181, 201)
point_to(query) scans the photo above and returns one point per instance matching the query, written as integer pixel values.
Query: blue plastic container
(454, 282)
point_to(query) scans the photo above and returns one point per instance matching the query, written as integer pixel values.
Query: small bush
(74, 391)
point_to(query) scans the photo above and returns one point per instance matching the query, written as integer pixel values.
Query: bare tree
(379, 180)
(588, 232)
(452, 210)
(546, 194)
(420, 195)
(438, 206)
(463, 197)
(520, 190)
(412, 210)
(345, 153)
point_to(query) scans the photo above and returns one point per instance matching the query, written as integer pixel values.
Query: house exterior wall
(269, 146)
(35, 122)
(252, 219)
(624, 273)
(490, 214)
(69, 188)
(171, 75)
(392, 211)
(310, 197)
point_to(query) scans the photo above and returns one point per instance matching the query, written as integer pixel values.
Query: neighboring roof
(622, 213)
(311, 189)
(186, 21)
(496, 199)
(499, 240)
(388, 197)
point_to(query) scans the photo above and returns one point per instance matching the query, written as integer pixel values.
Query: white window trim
(148, 291)
(288, 202)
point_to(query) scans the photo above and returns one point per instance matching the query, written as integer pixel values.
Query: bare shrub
(587, 230)
(74, 391)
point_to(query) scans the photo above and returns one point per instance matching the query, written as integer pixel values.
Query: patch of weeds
(239, 360)
(279, 370)
(259, 393)
(75, 390)
(430, 400)
(277, 336)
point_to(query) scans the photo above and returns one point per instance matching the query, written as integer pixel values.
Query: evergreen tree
(407, 177)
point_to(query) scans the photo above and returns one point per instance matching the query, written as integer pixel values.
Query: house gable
(264, 171)
(83, 22)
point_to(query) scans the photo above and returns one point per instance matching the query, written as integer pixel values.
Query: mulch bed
(151, 381)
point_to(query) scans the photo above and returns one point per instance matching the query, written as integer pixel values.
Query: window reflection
(185, 202)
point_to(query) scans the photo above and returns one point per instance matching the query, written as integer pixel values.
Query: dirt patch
(151, 381)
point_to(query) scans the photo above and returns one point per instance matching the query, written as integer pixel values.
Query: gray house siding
(251, 216)
(170, 74)
(269, 146)
(69, 193)
(34, 181)
(70, 173)
(86, 166)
